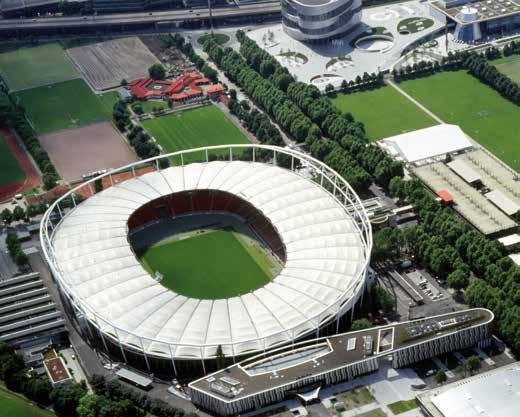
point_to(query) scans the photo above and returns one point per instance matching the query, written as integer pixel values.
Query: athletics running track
(31, 175)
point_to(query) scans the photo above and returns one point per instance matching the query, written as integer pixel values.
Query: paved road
(414, 101)
(169, 16)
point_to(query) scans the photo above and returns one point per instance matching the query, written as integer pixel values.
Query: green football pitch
(35, 66)
(11, 172)
(384, 112)
(61, 106)
(12, 405)
(205, 126)
(210, 265)
(459, 98)
(509, 66)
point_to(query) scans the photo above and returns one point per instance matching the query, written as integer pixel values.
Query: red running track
(32, 178)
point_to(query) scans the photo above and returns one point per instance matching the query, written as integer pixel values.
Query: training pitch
(384, 112)
(62, 106)
(11, 171)
(36, 66)
(205, 126)
(209, 264)
(459, 98)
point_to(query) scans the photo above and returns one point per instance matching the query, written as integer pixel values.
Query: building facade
(320, 20)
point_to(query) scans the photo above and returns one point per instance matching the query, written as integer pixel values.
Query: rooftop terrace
(284, 366)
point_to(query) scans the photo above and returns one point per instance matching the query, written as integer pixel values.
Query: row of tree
(365, 162)
(143, 144)
(7, 216)
(452, 248)
(360, 83)
(13, 115)
(15, 249)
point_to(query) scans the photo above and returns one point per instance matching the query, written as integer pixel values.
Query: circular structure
(384, 15)
(414, 25)
(375, 43)
(309, 217)
(319, 20)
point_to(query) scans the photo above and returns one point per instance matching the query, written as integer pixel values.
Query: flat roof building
(57, 371)
(426, 144)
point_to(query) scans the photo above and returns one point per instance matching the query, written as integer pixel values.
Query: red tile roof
(445, 196)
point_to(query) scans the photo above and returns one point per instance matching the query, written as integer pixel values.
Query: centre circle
(206, 244)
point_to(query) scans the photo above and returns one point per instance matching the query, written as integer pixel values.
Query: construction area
(104, 65)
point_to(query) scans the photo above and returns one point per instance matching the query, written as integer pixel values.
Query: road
(414, 101)
(170, 16)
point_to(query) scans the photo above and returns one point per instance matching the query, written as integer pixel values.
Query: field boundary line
(414, 101)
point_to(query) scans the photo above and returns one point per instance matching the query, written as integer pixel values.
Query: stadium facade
(320, 20)
(306, 213)
(301, 369)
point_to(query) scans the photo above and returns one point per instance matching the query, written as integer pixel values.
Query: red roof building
(186, 87)
(57, 371)
(445, 196)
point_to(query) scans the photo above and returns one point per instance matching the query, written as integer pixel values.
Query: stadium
(251, 248)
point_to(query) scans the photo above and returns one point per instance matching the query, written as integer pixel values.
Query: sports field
(458, 98)
(509, 66)
(384, 112)
(205, 126)
(61, 106)
(208, 265)
(34, 66)
(11, 172)
(15, 406)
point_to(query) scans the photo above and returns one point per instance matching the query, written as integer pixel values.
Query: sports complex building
(320, 20)
(301, 370)
(305, 214)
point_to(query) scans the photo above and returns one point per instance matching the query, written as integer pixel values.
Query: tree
(66, 399)
(124, 83)
(220, 357)
(458, 279)
(6, 216)
(360, 325)
(18, 213)
(157, 72)
(473, 363)
(329, 88)
(382, 299)
(440, 377)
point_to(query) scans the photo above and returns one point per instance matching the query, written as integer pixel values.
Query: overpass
(153, 21)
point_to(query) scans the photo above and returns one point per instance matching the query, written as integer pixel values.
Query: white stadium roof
(324, 270)
(426, 143)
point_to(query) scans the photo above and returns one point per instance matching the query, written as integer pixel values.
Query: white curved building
(323, 237)
(316, 20)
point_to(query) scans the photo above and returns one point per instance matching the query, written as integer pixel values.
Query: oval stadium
(212, 253)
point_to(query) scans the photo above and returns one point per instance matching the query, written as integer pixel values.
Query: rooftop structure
(494, 393)
(296, 369)
(469, 202)
(134, 378)
(465, 171)
(510, 240)
(427, 144)
(327, 249)
(57, 371)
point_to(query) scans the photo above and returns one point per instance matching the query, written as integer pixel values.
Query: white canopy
(427, 143)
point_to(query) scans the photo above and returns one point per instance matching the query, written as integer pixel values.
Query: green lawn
(374, 413)
(109, 99)
(459, 98)
(402, 406)
(149, 105)
(11, 172)
(60, 106)
(210, 265)
(384, 112)
(220, 38)
(15, 406)
(205, 126)
(509, 66)
(34, 66)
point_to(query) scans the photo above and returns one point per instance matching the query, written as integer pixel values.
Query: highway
(141, 18)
